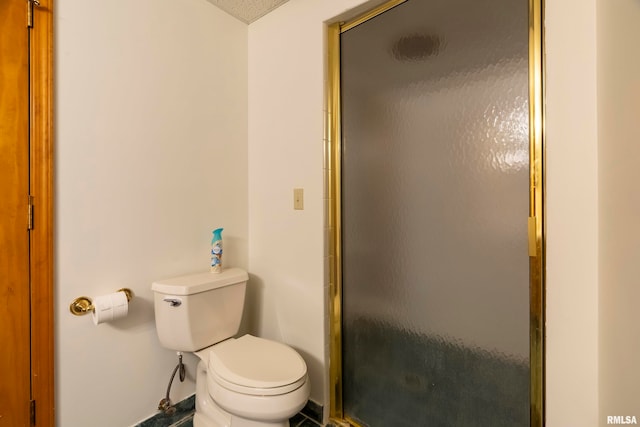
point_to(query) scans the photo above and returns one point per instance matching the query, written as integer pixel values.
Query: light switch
(298, 199)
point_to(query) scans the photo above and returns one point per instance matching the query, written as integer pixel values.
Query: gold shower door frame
(536, 228)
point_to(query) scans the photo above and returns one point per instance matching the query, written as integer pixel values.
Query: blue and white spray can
(216, 251)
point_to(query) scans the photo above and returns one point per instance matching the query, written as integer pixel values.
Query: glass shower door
(435, 187)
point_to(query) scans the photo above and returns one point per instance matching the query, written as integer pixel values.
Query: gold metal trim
(351, 422)
(128, 292)
(537, 304)
(81, 306)
(369, 15)
(332, 161)
(338, 422)
(536, 211)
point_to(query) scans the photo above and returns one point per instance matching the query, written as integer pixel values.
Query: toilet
(240, 382)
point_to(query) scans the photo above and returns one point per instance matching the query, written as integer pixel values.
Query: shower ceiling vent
(247, 10)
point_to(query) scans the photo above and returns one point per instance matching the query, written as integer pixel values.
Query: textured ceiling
(247, 10)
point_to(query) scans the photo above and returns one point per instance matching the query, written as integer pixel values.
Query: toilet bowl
(256, 381)
(240, 382)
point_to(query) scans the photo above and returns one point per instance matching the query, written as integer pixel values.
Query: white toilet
(240, 382)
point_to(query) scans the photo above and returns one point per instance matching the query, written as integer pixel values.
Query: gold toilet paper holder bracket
(83, 305)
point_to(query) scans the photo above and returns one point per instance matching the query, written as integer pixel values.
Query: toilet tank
(198, 310)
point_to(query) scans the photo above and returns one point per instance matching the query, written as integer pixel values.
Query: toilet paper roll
(110, 307)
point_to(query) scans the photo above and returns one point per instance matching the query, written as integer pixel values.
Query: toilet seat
(256, 366)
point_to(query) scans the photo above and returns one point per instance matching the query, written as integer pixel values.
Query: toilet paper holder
(84, 305)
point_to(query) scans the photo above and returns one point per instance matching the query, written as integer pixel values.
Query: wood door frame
(41, 236)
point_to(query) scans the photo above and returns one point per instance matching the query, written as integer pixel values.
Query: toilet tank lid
(199, 282)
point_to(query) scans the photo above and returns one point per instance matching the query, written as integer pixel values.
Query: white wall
(572, 214)
(151, 120)
(286, 52)
(619, 151)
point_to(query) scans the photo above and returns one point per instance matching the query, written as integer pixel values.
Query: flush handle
(175, 302)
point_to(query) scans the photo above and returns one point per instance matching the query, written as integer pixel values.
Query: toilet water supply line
(165, 404)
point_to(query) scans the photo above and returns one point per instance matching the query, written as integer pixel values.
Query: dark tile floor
(301, 420)
(186, 422)
(183, 417)
(298, 421)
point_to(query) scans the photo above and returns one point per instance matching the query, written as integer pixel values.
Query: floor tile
(308, 423)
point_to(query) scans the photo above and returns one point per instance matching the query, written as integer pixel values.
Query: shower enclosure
(436, 308)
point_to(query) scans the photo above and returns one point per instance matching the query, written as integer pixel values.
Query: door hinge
(30, 4)
(33, 412)
(30, 213)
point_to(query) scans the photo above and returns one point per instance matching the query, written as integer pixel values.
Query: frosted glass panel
(435, 205)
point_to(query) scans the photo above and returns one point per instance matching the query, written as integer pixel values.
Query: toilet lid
(256, 363)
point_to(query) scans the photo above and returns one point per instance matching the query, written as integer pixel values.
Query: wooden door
(15, 355)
